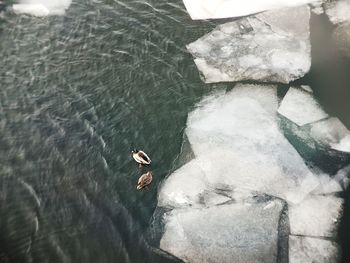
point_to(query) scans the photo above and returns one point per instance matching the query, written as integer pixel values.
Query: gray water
(77, 93)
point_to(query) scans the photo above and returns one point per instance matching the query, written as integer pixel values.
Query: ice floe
(338, 11)
(320, 139)
(316, 216)
(268, 47)
(309, 249)
(208, 9)
(245, 232)
(333, 133)
(301, 107)
(243, 172)
(41, 8)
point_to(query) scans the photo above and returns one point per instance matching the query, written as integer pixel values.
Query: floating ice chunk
(332, 133)
(267, 48)
(41, 7)
(315, 216)
(219, 234)
(208, 9)
(308, 249)
(338, 11)
(301, 107)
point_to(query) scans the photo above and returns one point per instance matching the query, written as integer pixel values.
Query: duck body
(144, 180)
(141, 157)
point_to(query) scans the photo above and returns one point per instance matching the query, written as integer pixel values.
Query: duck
(141, 157)
(144, 180)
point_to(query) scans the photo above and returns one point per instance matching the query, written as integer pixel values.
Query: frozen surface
(243, 232)
(248, 151)
(41, 7)
(333, 133)
(232, 190)
(301, 107)
(209, 9)
(308, 249)
(268, 47)
(316, 216)
(338, 11)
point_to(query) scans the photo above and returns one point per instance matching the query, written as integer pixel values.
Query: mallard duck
(144, 180)
(141, 157)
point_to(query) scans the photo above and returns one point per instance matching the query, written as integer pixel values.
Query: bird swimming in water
(141, 157)
(144, 180)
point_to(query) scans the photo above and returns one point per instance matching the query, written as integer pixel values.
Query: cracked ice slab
(241, 159)
(41, 8)
(208, 9)
(308, 249)
(301, 107)
(245, 232)
(238, 145)
(316, 216)
(268, 47)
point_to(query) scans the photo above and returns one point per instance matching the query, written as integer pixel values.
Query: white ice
(209, 9)
(238, 145)
(338, 11)
(301, 107)
(241, 155)
(41, 8)
(309, 249)
(316, 216)
(343, 145)
(219, 234)
(269, 47)
(333, 133)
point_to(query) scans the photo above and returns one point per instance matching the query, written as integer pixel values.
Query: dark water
(77, 93)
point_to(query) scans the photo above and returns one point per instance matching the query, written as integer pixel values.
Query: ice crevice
(228, 199)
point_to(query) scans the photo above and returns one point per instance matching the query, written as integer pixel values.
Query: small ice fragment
(301, 107)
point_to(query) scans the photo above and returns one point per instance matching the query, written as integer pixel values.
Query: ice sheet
(267, 48)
